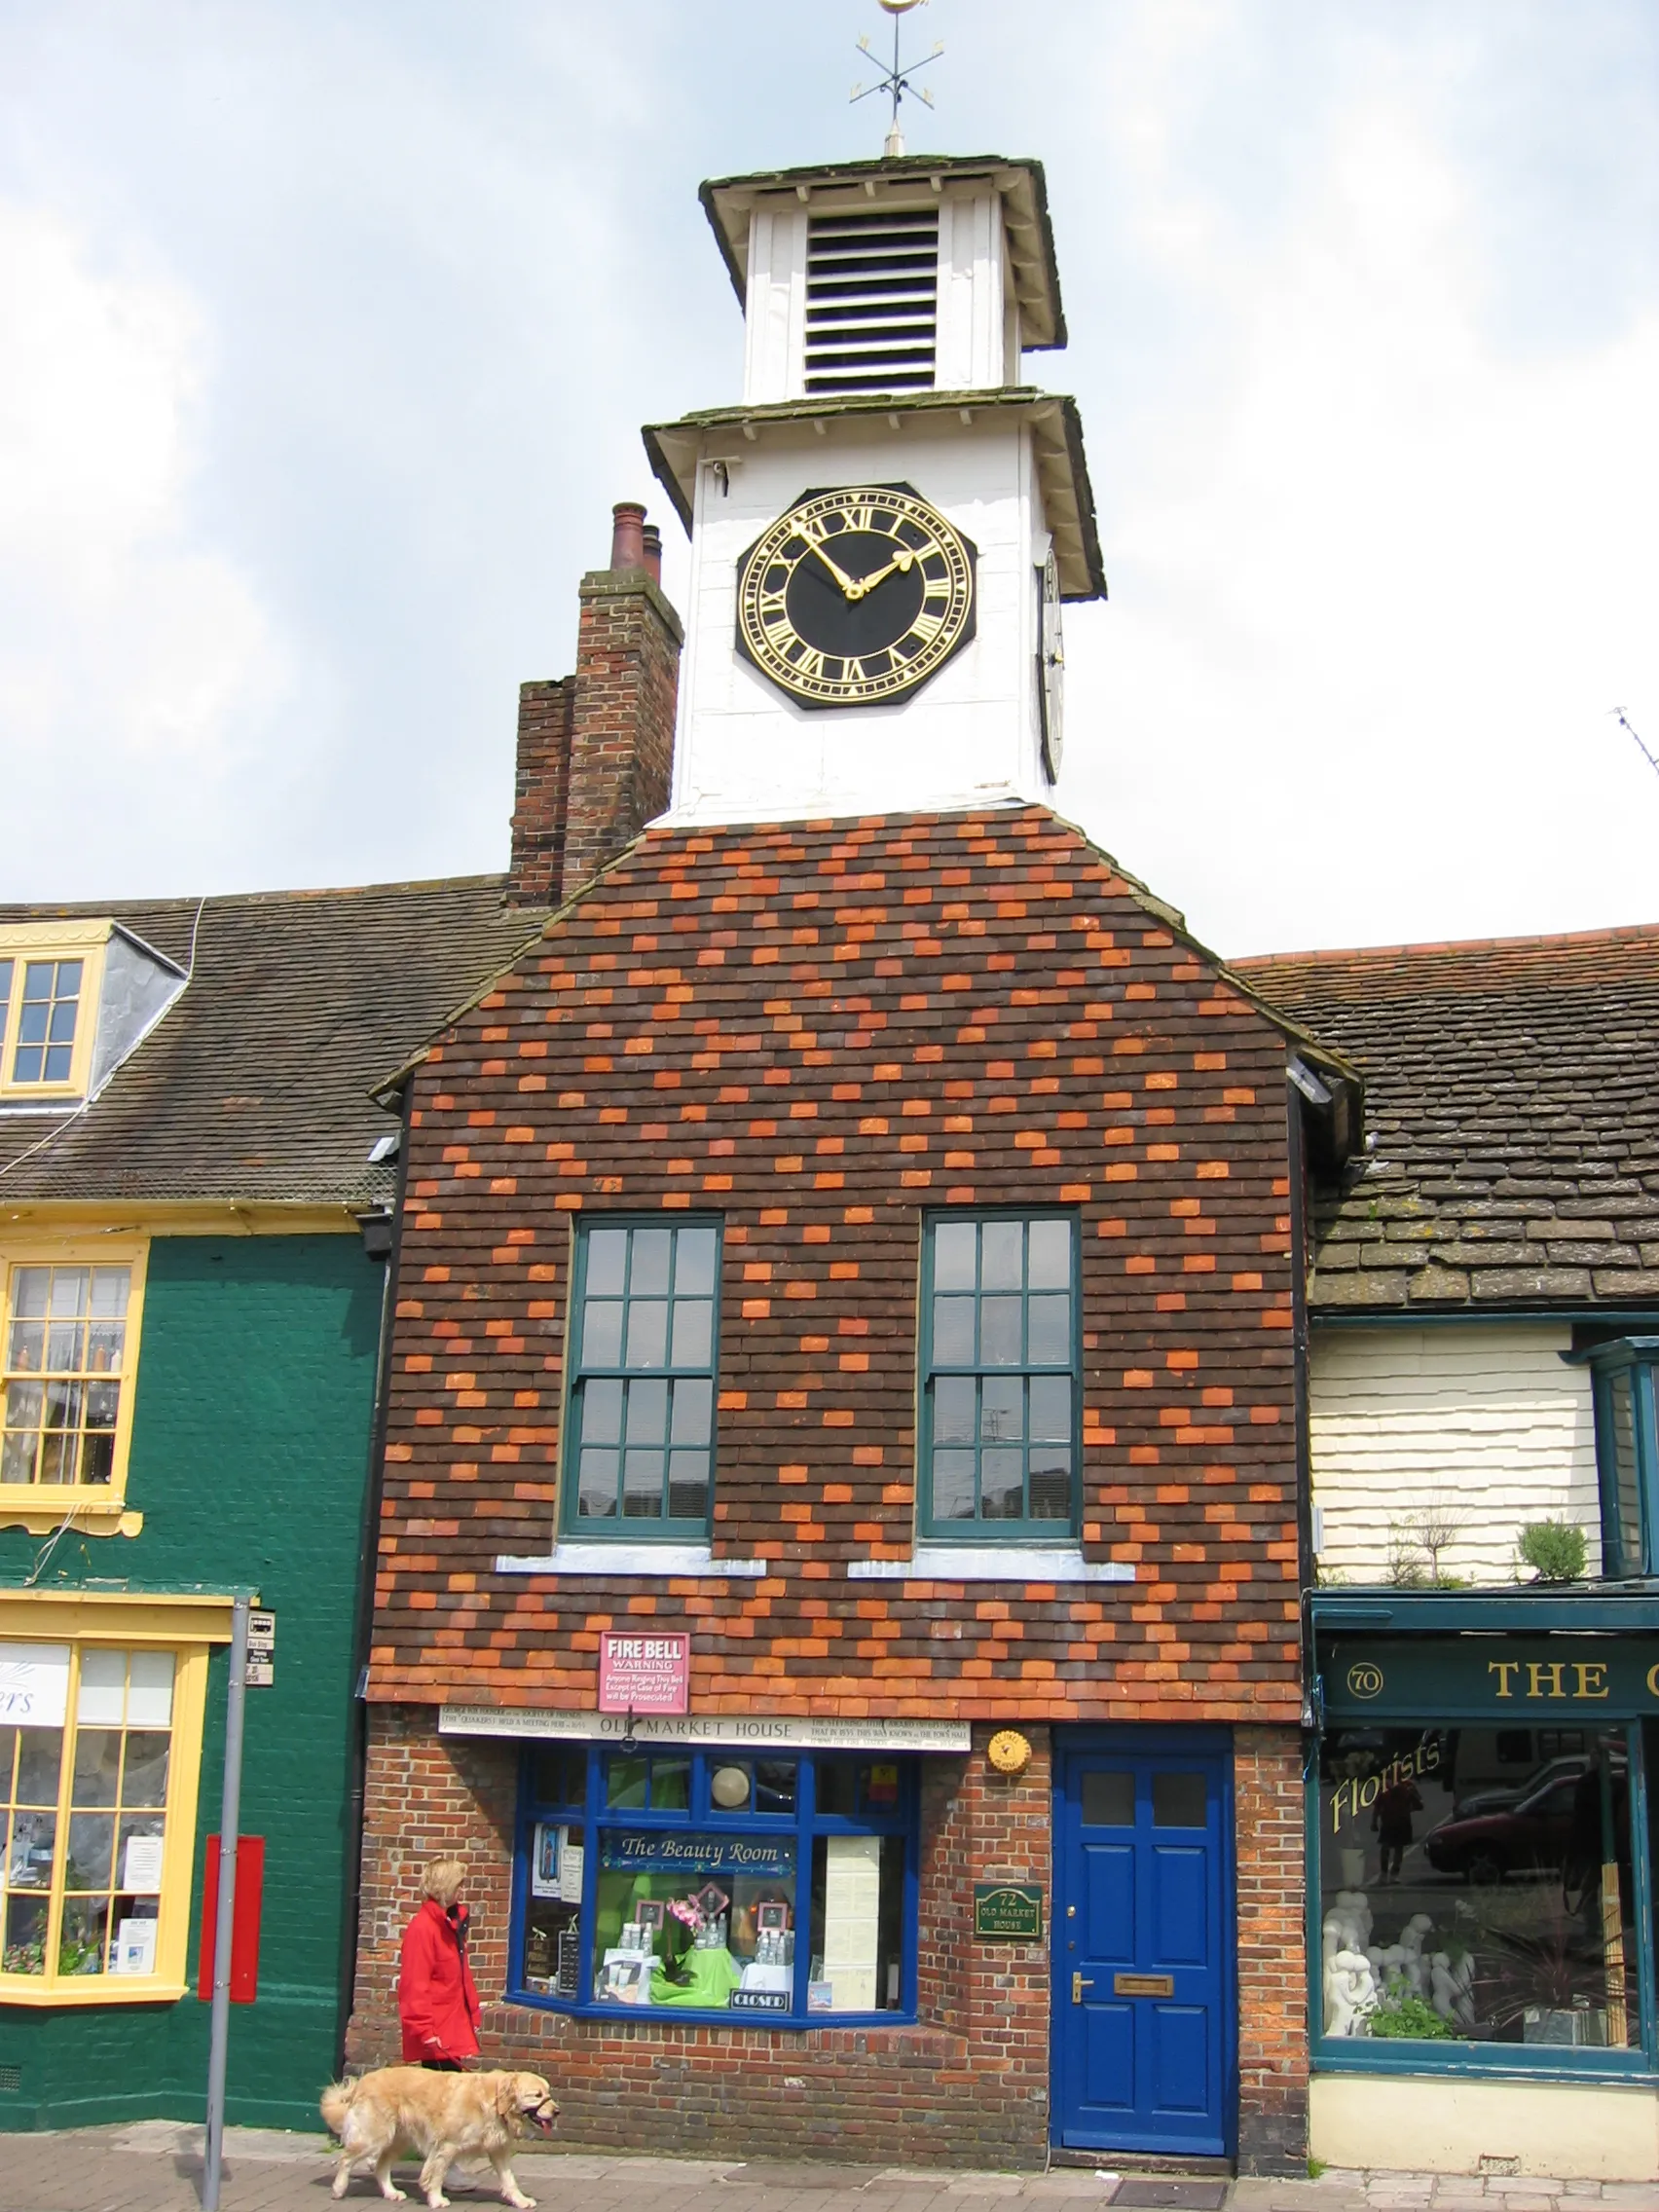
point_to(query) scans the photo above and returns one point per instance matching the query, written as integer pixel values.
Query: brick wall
(542, 789)
(1273, 1968)
(820, 1032)
(973, 2072)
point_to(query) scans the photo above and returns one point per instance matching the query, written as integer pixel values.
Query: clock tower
(885, 527)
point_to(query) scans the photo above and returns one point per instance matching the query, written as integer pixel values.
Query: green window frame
(1001, 1426)
(1627, 1451)
(643, 1349)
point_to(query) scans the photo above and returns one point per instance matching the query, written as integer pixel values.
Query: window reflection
(1463, 1900)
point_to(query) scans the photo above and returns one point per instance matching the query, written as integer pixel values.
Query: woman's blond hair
(442, 1880)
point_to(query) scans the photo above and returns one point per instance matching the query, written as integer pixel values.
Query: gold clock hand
(901, 559)
(848, 587)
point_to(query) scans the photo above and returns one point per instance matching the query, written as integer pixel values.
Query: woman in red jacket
(436, 2001)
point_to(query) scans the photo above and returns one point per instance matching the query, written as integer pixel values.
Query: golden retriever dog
(405, 2112)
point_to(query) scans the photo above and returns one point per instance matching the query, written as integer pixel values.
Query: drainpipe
(368, 1552)
(1297, 1148)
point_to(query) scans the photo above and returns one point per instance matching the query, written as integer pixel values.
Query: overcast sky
(327, 327)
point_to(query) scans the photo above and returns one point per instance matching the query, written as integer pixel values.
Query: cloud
(1379, 577)
(129, 653)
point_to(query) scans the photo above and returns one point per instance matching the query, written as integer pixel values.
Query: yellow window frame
(23, 942)
(96, 1509)
(187, 1627)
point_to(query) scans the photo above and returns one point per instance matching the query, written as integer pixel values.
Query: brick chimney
(595, 749)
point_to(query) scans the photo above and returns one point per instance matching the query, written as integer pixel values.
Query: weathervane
(896, 82)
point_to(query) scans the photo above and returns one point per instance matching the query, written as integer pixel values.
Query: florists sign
(644, 1674)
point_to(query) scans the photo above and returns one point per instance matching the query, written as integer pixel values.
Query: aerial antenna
(896, 82)
(1620, 715)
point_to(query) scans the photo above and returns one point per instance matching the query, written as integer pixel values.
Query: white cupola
(886, 306)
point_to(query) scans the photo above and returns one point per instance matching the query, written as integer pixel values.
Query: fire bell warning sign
(644, 1674)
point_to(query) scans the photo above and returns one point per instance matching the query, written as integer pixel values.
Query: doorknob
(1079, 1982)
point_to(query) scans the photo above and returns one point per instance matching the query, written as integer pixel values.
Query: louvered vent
(871, 302)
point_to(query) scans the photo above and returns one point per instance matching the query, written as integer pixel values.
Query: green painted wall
(249, 1459)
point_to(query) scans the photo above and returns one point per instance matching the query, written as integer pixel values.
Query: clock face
(1051, 667)
(856, 596)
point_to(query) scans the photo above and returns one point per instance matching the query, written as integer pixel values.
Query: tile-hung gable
(817, 1035)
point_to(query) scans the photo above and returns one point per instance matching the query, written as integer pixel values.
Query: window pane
(693, 1332)
(856, 1923)
(648, 1411)
(955, 1245)
(596, 1499)
(628, 1781)
(1626, 1472)
(602, 1333)
(1001, 1409)
(1001, 1255)
(1050, 1483)
(1049, 1255)
(642, 1485)
(670, 1785)
(999, 1332)
(92, 1850)
(149, 1690)
(688, 1485)
(955, 1417)
(144, 1777)
(85, 1928)
(34, 1839)
(1500, 1905)
(24, 1949)
(102, 1695)
(40, 1760)
(775, 1786)
(558, 1775)
(1178, 1801)
(694, 1262)
(606, 1262)
(648, 1333)
(98, 1766)
(601, 1410)
(697, 1919)
(648, 1271)
(1002, 1485)
(1050, 1331)
(1108, 1799)
(693, 1412)
(1051, 1408)
(953, 1485)
(953, 1332)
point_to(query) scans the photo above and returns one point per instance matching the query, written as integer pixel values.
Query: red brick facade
(973, 2072)
(821, 1032)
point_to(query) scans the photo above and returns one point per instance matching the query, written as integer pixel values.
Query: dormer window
(871, 301)
(47, 1009)
(49, 984)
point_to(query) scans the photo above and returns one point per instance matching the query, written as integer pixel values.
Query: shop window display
(716, 1881)
(1465, 1900)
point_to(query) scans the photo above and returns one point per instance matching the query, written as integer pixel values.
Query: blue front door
(1143, 1953)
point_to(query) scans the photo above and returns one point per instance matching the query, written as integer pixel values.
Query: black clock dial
(856, 596)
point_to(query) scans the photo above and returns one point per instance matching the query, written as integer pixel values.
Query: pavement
(155, 2166)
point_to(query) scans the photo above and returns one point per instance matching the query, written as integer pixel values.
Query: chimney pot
(627, 535)
(651, 539)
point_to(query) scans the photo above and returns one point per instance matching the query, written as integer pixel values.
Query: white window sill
(657, 1562)
(991, 1563)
